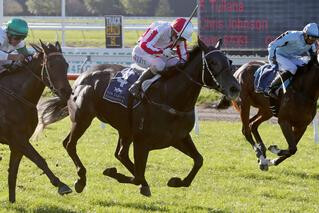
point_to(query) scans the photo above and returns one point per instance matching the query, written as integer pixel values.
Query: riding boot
(136, 87)
(275, 84)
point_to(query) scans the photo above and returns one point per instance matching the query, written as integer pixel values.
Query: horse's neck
(307, 82)
(182, 93)
(27, 85)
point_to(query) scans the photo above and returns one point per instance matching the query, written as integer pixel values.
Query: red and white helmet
(178, 26)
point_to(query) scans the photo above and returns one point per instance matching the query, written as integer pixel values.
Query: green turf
(229, 180)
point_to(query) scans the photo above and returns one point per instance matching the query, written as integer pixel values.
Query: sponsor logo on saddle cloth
(264, 76)
(117, 90)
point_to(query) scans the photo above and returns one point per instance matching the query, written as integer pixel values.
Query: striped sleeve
(181, 50)
(149, 41)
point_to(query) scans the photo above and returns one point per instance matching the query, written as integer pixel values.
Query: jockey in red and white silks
(154, 48)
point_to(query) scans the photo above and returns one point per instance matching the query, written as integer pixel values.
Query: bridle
(204, 68)
(44, 72)
(205, 65)
(45, 76)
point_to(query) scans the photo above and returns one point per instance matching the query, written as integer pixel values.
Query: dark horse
(20, 91)
(297, 108)
(165, 117)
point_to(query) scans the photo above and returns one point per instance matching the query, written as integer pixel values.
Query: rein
(41, 79)
(44, 71)
(205, 66)
(168, 109)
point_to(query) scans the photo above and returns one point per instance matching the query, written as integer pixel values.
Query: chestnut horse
(297, 108)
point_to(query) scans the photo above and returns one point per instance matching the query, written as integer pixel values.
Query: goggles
(16, 37)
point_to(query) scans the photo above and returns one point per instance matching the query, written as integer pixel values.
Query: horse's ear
(58, 46)
(36, 47)
(44, 47)
(202, 45)
(219, 44)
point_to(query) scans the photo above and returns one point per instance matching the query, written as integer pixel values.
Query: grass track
(229, 180)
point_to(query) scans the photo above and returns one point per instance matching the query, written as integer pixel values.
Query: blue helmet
(311, 29)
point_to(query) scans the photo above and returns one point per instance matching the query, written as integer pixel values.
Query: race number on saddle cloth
(117, 90)
(263, 77)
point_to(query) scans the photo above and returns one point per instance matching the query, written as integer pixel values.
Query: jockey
(154, 49)
(287, 50)
(11, 39)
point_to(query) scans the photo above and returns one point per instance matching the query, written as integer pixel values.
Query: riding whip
(190, 18)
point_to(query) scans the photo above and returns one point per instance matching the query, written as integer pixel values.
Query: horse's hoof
(145, 190)
(64, 189)
(110, 172)
(263, 167)
(274, 149)
(12, 199)
(175, 182)
(79, 185)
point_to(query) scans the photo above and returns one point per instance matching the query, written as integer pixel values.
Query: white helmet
(311, 29)
(178, 26)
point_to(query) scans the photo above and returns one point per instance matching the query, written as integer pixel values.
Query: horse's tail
(50, 111)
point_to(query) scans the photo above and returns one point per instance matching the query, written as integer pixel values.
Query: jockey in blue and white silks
(287, 50)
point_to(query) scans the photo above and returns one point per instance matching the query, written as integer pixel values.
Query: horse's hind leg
(25, 148)
(15, 158)
(187, 146)
(292, 149)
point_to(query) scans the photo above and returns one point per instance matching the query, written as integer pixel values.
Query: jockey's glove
(168, 52)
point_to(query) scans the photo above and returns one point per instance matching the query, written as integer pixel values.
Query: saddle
(263, 77)
(117, 89)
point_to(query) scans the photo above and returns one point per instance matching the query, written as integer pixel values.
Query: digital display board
(252, 24)
(113, 32)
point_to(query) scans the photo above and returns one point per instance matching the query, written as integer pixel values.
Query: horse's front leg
(69, 144)
(246, 129)
(187, 146)
(140, 159)
(122, 154)
(260, 117)
(284, 154)
(26, 149)
(15, 158)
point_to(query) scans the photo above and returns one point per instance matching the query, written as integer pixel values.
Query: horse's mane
(193, 53)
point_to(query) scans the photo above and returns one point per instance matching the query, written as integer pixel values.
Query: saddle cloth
(263, 77)
(117, 90)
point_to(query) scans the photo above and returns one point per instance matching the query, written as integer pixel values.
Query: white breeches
(157, 63)
(290, 64)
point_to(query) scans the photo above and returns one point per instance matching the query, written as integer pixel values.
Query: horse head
(217, 70)
(54, 68)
